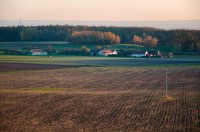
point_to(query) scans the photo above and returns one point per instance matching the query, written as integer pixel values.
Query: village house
(154, 53)
(139, 53)
(107, 52)
(37, 52)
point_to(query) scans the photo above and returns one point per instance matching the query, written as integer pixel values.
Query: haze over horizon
(166, 25)
(156, 13)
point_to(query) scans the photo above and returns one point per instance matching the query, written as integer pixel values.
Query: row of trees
(187, 40)
(94, 37)
(147, 40)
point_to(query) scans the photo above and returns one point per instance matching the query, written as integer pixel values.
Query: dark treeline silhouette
(187, 40)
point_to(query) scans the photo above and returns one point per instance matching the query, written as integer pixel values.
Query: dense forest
(187, 40)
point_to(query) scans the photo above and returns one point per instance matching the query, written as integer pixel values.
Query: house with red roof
(107, 52)
(37, 52)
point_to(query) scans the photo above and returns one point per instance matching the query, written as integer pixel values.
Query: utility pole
(166, 85)
(20, 22)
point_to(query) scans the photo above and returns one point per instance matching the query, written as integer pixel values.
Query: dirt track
(100, 99)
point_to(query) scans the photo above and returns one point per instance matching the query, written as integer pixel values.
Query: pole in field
(166, 94)
(167, 97)
(20, 22)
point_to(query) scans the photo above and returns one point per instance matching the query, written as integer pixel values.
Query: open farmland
(100, 61)
(61, 45)
(98, 98)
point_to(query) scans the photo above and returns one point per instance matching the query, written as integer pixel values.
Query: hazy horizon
(167, 25)
(100, 10)
(170, 14)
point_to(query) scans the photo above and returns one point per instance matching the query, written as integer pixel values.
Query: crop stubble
(100, 99)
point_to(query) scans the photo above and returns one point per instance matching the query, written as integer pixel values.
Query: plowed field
(100, 99)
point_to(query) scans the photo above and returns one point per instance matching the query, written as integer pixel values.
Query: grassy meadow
(101, 61)
(62, 45)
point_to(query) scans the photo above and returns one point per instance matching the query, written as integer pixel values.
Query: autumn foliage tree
(147, 40)
(85, 50)
(94, 37)
(150, 41)
(137, 39)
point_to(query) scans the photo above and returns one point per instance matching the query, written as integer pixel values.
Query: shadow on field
(4, 67)
(141, 62)
(14, 66)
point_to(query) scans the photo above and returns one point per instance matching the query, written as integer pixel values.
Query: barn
(37, 52)
(107, 52)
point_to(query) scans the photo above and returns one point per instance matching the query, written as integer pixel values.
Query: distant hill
(167, 25)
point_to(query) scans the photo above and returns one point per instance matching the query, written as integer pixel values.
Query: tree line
(187, 40)
(94, 37)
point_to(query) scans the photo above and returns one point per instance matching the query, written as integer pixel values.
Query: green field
(61, 45)
(101, 61)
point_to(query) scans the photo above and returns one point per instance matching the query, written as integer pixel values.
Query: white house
(107, 52)
(154, 53)
(139, 53)
(37, 52)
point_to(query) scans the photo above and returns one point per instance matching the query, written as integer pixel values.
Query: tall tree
(137, 39)
(150, 41)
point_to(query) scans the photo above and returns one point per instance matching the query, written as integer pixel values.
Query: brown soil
(100, 99)
(25, 66)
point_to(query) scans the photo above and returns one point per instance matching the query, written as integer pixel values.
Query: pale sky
(100, 10)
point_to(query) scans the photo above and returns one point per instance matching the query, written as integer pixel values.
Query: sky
(100, 10)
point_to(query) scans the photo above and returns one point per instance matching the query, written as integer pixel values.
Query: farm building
(139, 53)
(154, 53)
(37, 52)
(107, 52)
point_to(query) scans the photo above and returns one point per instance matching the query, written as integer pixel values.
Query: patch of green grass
(20, 45)
(168, 98)
(44, 89)
(165, 98)
(124, 46)
(55, 60)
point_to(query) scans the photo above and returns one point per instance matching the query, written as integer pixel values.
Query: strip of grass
(165, 98)
(102, 61)
(62, 45)
(44, 89)
(168, 98)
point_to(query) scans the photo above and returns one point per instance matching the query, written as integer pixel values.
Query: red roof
(37, 50)
(107, 51)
